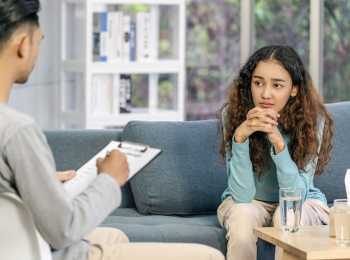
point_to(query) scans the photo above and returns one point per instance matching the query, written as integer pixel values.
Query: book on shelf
(143, 33)
(111, 94)
(100, 28)
(125, 43)
(132, 41)
(114, 42)
(137, 155)
(102, 91)
(125, 90)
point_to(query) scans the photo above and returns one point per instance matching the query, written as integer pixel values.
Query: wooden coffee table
(307, 243)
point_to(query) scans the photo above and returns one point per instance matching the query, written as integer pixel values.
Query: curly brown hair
(300, 118)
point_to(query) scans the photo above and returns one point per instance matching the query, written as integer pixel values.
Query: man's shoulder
(12, 121)
(10, 116)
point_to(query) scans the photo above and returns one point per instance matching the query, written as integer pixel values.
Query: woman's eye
(278, 85)
(257, 83)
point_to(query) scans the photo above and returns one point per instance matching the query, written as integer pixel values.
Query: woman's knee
(240, 226)
(243, 215)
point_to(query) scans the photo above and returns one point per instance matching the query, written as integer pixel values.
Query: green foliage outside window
(283, 22)
(336, 76)
(212, 54)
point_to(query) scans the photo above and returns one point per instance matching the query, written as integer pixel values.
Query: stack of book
(118, 36)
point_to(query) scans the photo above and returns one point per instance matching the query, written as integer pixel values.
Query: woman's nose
(266, 93)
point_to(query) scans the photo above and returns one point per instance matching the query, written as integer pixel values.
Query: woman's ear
(295, 90)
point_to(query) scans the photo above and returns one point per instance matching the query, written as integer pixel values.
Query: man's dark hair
(15, 13)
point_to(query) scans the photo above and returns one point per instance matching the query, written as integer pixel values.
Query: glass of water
(290, 204)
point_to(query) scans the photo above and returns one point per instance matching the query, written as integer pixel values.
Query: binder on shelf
(103, 26)
(132, 41)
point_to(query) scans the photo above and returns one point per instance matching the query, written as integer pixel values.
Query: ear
(295, 90)
(22, 45)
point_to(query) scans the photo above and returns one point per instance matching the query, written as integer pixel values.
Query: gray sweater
(27, 168)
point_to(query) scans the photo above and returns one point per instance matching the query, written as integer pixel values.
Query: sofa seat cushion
(188, 177)
(203, 229)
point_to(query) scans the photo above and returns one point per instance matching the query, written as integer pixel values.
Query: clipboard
(138, 156)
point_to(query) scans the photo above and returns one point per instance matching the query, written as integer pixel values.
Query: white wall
(36, 98)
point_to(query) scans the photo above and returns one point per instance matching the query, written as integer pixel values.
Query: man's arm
(61, 221)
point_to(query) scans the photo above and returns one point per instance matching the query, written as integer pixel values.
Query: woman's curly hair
(300, 117)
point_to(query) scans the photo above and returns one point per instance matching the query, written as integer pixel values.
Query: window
(283, 22)
(336, 74)
(213, 51)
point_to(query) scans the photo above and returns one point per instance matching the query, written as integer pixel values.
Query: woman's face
(272, 85)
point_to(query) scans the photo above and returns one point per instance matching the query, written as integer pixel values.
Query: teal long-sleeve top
(281, 172)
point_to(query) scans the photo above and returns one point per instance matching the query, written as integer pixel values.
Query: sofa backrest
(331, 182)
(188, 177)
(72, 148)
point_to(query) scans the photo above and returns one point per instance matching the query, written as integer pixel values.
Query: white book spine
(111, 50)
(103, 94)
(154, 33)
(122, 95)
(143, 36)
(139, 35)
(97, 86)
(116, 96)
(114, 36)
(119, 35)
(108, 94)
(126, 38)
(94, 83)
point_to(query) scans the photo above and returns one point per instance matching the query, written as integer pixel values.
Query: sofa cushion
(331, 182)
(203, 229)
(188, 177)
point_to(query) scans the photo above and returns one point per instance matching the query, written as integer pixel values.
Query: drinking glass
(342, 221)
(290, 204)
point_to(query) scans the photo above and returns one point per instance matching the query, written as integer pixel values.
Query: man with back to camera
(27, 167)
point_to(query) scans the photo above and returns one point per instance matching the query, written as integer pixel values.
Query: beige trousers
(240, 219)
(113, 244)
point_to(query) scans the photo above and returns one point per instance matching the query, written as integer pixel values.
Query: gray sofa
(174, 198)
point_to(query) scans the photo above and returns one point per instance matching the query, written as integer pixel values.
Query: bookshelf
(121, 60)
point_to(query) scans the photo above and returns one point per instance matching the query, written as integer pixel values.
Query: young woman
(277, 134)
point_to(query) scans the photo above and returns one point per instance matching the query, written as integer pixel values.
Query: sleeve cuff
(109, 183)
(240, 147)
(287, 171)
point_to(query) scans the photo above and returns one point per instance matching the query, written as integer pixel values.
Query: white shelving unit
(158, 83)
